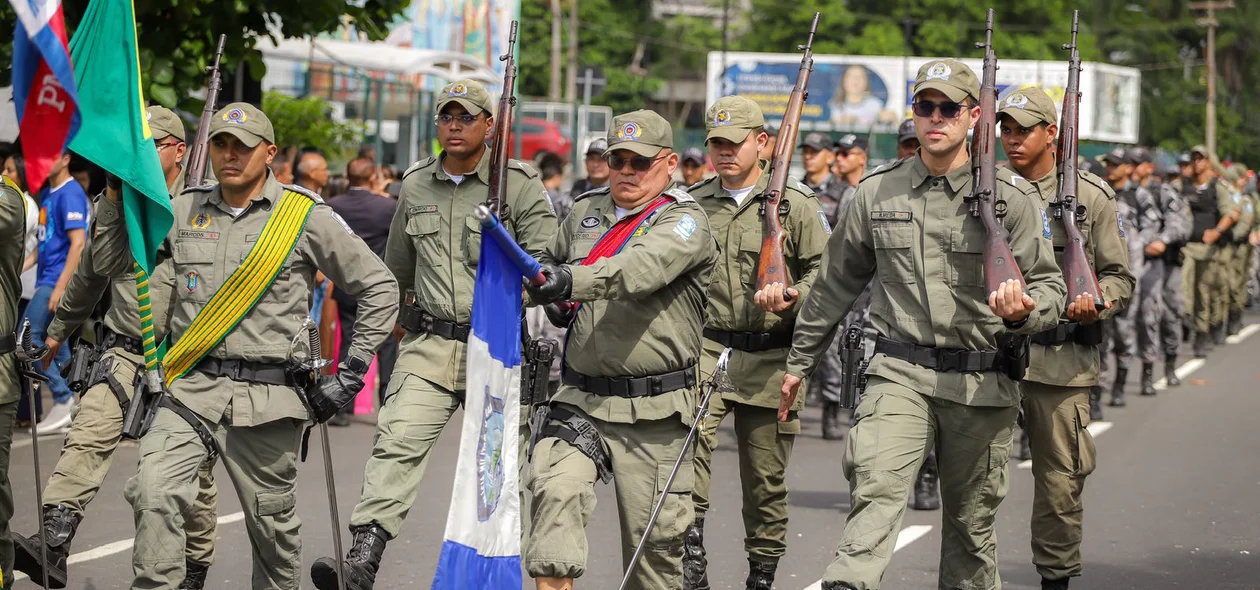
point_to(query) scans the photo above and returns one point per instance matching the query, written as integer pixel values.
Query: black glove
(335, 391)
(559, 316)
(557, 287)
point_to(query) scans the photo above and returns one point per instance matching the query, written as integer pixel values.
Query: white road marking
(123, 545)
(1095, 428)
(1243, 334)
(907, 536)
(1183, 371)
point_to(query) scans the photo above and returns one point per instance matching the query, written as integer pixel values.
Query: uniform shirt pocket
(194, 269)
(894, 252)
(424, 230)
(966, 259)
(749, 255)
(471, 241)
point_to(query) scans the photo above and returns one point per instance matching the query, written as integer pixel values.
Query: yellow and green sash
(243, 289)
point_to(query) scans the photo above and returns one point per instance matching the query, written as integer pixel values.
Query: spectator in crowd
(282, 167)
(693, 167)
(63, 221)
(368, 214)
(310, 170)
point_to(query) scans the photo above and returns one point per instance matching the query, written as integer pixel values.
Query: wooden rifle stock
(196, 175)
(1080, 277)
(999, 261)
(501, 138)
(771, 265)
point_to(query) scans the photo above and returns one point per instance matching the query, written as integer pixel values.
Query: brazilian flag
(115, 134)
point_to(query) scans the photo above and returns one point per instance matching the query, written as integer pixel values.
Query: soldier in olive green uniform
(88, 452)
(1063, 361)
(1214, 212)
(239, 399)
(12, 252)
(757, 326)
(1240, 261)
(629, 391)
(434, 244)
(945, 356)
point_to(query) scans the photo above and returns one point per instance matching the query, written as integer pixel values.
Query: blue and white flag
(483, 529)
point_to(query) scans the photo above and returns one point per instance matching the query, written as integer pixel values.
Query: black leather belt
(416, 320)
(941, 359)
(247, 371)
(630, 386)
(750, 341)
(1085, 335)
(8, 343)
(113, 339)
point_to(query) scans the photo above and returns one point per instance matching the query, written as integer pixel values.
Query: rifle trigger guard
(784, 208)
(1081, 213)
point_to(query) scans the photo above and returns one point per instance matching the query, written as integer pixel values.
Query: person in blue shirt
(62, 232)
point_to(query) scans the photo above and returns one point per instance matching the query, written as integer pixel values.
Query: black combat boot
(194, 575)
(927, 493)
(1170, 371)
(1201, 342)
(1117, 388)
(60, 524)
(1148, 378)
(695, 564)
(1095, 403)
(1054, 584)
(760, 574)
(1235, 323)
(1218, 334)
(362, 561)
(831, 421)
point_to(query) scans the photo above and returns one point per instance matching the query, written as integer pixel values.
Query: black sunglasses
(638, 163)
(949, 109)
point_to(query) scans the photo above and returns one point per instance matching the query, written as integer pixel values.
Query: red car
(538, 136)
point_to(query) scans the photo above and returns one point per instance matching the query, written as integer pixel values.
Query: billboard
(472, 27)
(864, 94)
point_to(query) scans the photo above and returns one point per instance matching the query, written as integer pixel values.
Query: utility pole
(1211, 23)
(557, 28)
(570, 92)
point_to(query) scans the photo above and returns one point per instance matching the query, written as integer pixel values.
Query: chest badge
(589, 222)
(201, 221)
(192, 281)
(1120, 223)
(1045, 224)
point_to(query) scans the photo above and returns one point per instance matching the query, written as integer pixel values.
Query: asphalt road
(1173, 504)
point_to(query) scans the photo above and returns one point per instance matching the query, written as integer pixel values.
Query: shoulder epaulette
(1016, 181)
(697, 185)
(301, 190)
(425, 163)
(595, 191)
(680, 195)
(1097, 181)
(523, 167)
(205, 188)
(801, 187)
(883, 168)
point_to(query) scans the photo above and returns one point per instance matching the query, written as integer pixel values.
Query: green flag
(115, 132)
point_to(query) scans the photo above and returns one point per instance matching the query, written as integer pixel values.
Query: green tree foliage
(178, 37)
(306, 121)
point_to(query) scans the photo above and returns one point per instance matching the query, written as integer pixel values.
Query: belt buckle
(426, 322)
(235, 373)
(950, 360)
